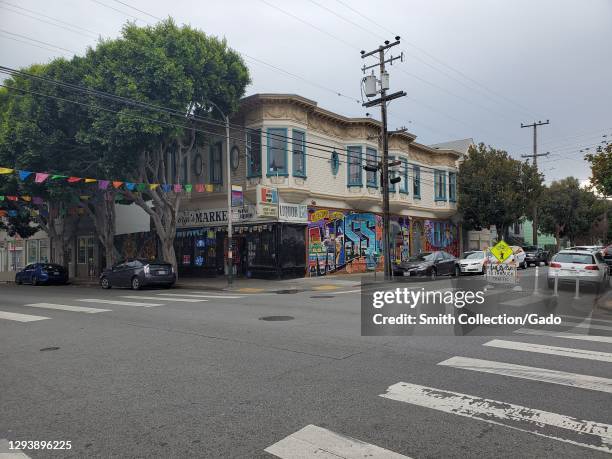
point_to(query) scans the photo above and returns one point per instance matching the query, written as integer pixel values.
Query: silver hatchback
(569, 265)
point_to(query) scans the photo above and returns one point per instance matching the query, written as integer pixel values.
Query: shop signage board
(501, 273)
(215, 217)
(267, 201)
(237, 196)
(294, 213)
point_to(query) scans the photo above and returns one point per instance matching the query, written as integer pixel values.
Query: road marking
(199, 296)
(20, 317)
(586, 325)
(6, 453)
(533, 331)
(589, 434)
(524, 301)
(121, 303)
(325, 287)
(316, 442)
(585, 319)
(345, 291)
(553, 350)
(65, 307)
(532, 373)
(184, 300)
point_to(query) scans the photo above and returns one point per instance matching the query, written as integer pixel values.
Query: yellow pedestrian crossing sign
(501, 251)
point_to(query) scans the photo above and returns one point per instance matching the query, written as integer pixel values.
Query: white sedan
(472, 262)
(569, 265)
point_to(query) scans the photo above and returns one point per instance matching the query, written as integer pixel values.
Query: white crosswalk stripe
(537, 332)
(316, 442)
(189, 295)
(65, 307)
(157, 298)
(120, 303)
(585, 319)
(552, 350)
(589, 434)
(531, 373)
(20, 317)
(589, 325)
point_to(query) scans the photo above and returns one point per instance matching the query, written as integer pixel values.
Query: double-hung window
(254, 153)
(440, 185)
(216, 167)
(416, 182)
(371, 160)
(354, 166)
(277, 152)
(452, 187)
(299, 153)
(404, 172)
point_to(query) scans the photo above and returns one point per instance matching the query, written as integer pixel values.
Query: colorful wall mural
(337, 236)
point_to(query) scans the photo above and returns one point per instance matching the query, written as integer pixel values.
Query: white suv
(569, 265)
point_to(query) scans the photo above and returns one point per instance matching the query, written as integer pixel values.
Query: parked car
(607, 256)
(430, 264)
(138, 273)
(518, 256)
(472, 262)
(590, 248)
(589, 267)
(42, 273)
(535, 255)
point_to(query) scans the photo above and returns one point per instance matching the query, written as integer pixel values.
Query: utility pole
(535, 155)
(371, 91)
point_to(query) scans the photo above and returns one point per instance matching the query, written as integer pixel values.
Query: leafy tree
(178, 68)
(567, 210)
(601, 178)
(495, 189)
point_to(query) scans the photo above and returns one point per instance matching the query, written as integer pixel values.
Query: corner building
(309, 207)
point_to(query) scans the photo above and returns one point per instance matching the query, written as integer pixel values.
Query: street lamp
(230, 268)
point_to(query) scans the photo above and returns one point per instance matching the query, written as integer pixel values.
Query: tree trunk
(557, 237)
(169, 254)
(103, 214)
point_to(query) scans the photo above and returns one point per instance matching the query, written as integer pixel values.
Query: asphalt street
(192, 373)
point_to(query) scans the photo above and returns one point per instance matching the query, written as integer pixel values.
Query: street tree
(180, 69)
(601, 179)
(495, 189)
(567, 210)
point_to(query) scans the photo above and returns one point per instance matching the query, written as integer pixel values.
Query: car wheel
(433, 275)
(105, 283)
(545, 262)
(457, 271)
(135, 283)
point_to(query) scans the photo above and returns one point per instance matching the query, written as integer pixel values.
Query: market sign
(267, 201)
(213, 217)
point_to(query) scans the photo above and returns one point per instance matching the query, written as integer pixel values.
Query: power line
(30, 44)
(136, 9)
(38, 41)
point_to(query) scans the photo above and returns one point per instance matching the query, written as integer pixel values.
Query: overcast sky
(473, 68)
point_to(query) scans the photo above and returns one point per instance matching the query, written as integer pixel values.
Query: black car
(535, 255)
(431, 264)
(607, 256)
(138, 273)
(42, 273)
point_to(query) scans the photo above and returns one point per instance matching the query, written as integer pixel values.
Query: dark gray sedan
(135, 274)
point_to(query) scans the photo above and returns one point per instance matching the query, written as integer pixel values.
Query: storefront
(340, 239)
(263, 247)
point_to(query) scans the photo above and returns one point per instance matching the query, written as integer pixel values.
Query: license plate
(56, 273)
(162, 272)
(406, 273)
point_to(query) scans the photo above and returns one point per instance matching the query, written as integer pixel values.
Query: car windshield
(577, 258)
(425, 256)
(530, 248)
(473, 255)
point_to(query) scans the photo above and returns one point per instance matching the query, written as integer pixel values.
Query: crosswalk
(315, 442)
(96, 305)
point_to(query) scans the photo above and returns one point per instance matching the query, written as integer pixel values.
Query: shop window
(32, 251)
(440, 185)
(85, 250)
(299, 153)
(43, 252)
(404, 174)
(371, 160)
(277, 151)
(354, 166)
(452, 187)
(416, 182)
(254, 153)
(216, 167)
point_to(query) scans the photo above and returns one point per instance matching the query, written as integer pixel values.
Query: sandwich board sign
(499, 272)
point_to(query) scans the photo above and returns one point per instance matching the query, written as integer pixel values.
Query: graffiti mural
(337, 236)
(441, 235)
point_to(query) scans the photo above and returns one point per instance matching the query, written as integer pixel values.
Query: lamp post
(230, 267)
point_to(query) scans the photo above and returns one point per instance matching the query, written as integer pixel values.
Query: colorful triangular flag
(130, 186)
(6, 170)
(188, 188)
(24, 175)
(90, 180)
(167, 188)
(74, 179)
(103, 184)
(40, 177)
(117, 184)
